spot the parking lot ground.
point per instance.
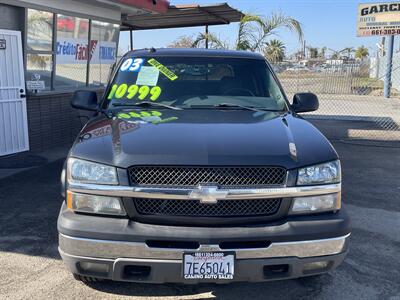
(32, 269)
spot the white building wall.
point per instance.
(88, 8)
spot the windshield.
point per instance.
(196, 82)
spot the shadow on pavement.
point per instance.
(290, 288)
(29, 205)
(368, 129)
(21, 160)
(30, 202)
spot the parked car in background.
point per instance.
(298, 68)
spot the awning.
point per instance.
(183, 16)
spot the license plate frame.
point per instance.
(202, 258)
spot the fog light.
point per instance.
(320, 203)
(93, 267)
(315, 266)
(95, 204)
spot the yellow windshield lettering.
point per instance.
(121, 90)
(112, 92)
(132, 91)
(141, 92)
(163, 69)
(155, 92)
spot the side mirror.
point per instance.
(86, 100)
(305, 102)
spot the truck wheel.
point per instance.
(87, 279)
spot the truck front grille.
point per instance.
(224, 177)
(194, 208)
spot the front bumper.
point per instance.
(152, 265)
(108, 247)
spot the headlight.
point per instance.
(316, 204)
(95, 204)
(83, 171)
(319, 174)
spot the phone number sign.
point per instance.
(378, 19)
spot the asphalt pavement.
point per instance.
(31, 268)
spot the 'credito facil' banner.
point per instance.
(77, 51)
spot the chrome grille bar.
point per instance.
(183, 193)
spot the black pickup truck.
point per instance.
(196, 168)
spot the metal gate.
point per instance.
(352, 105)
(13, 115)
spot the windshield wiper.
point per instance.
(245, 107)
(147, 103)
(235, 106)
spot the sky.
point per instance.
(329, 23)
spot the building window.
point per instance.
(72, 52)
(39, 68)
(59, 53)
(39, 45)
(104, 39)
(40, 30)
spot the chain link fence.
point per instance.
(352, 105)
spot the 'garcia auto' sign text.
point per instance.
(378, 19)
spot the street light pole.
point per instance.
(388, 75)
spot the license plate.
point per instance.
(208, 265)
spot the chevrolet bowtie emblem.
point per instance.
(208, 194)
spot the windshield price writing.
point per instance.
(129, 92)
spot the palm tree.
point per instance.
(254, 31)
(185, 41)
(361, 52)
(274, 22)
(348, 50)
(313, 52)
(213, 41)
(338, 54)
(322, 53)
(248, 37)
(274, 51)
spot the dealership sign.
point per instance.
(378, 19)
(77, 51)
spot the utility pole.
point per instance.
(131, 39)
(206, 36)
(389, 61)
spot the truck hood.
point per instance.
(202, 137)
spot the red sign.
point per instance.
(158, 6)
